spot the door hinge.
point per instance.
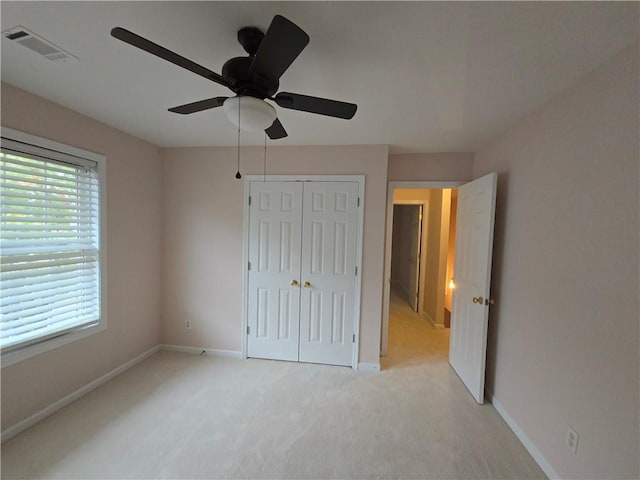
(358, 201)
(249, 199)
(248, 330)
(356, 270)
(353, 339)
(249, 266)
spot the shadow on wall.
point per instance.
(502, 203)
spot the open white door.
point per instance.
(474, 246)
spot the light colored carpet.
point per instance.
(184, 416)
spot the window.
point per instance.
(51, 262)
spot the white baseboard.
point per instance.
(198, 350)
(524, 439)
(63, 402)
(368, 367)
(431, 321)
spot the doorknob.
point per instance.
(294, 283)
(479, 300)
(306, 285)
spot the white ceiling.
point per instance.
(427, 77)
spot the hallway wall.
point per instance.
(451, 249)
(400, 267)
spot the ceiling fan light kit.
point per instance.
(253, 78)
(251, 113)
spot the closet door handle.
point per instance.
(294, 283)
(306, 285)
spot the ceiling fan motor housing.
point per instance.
(236, 72)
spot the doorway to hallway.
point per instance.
(472, 252)
(412, 340)
(420, 251)
(421, 262)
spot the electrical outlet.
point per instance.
(572, 440)
(187, 324)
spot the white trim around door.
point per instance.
(360, 180)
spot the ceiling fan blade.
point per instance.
(199, 106)
(276, 130)
(155, 49)
(322, 106)
(280, 46)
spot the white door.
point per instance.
(275, 223)
(302, 277)
(415, 241)
(469, 318)
(329, 247)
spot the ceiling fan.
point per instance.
(253, 78)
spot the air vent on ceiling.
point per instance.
(37, 44)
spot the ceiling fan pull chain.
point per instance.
(238, 175)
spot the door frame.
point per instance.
(391, 186)
(360, 180)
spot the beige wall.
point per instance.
(400, 247)
(411, 196)
(203, 214)
(396, 239)
(445, 221)
(451, 250)
(433, 232)
(434, 167)
(134, 178)
(563, 341)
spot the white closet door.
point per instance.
(329, 247)
(275, 225)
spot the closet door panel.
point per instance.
(329, 247)
(275, 222)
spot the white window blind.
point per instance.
(49, 244)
